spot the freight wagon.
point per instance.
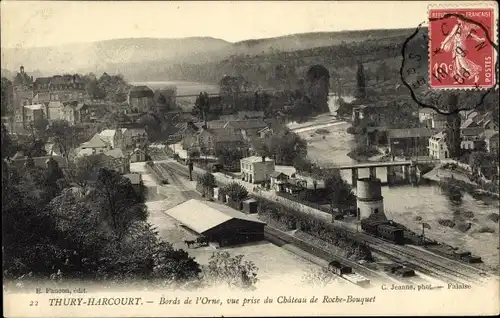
(384, 229)
(347, 273)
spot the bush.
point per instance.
(322, 131)
(235, 191)
(322, 230)
(494, 217)
(446, 222)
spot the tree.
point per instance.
(8, 147)
(229, 156)
(235, 191)
(360, 82)
(340, 192)
(207, 180)
(453, 139)
(153, 126)
(6, 95)
(382, 71)
(284, 146)
(84, 170)
(232, 271)
(202, 106)
(65, 137)
(120, 206)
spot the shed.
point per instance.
(217, 222)
(250, 206)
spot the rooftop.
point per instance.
(246, 124)
(95, 142)
(253, 159)
(34, 107)
(203, 216)
(223, 134)
(410, 132)
(140, 91)
(472, 131)
(439, 136)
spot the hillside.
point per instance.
(97, 56)
(150, 58)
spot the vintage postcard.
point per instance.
(250, 158)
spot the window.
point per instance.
(441, 146)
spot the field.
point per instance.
(276, 265)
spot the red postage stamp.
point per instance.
(461, 48)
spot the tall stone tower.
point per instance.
(369, 201)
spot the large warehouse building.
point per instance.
(217, 222)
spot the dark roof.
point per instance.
(246, 124)
(225, 134)
(410, 133)
(276, 174)
(140, 91)
(474, 131)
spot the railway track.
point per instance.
(426, 262)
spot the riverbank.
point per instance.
(439, 174)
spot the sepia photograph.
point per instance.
(250, 158)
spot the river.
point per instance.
(402, 203)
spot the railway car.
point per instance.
(338, 268)
(391, 233)
(357, 279)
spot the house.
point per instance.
(116, 160)
(278, 180)
(134, 137)
(210, 140)
(256, 169)
(218, 223)
(411, 141)
(471, 137)
(309, 182)
(140, 99)
(376, 114)
(33, 113)
(138, 155)
(62, 88)
(94, 146)
(490, 138)
(437, 146)
(136, 181)
(265, 132)
(71, 112)
(54, 111)
(248, 127)
(94, 111)
(242, 115)
(429, 118)
(469, 123)
(113, 137)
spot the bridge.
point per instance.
(269, 90)
(407, 165)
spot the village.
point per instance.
(230, 182)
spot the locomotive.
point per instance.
(384, 229)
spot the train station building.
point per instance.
(217, 222)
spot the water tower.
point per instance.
(369, 200)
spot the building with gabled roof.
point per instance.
(438, 148)
(218, 223)
(255, 169)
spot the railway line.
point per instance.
(430, 264)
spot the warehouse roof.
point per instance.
(203, 216)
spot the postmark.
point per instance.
(461, 50)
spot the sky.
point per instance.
(47, 23)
